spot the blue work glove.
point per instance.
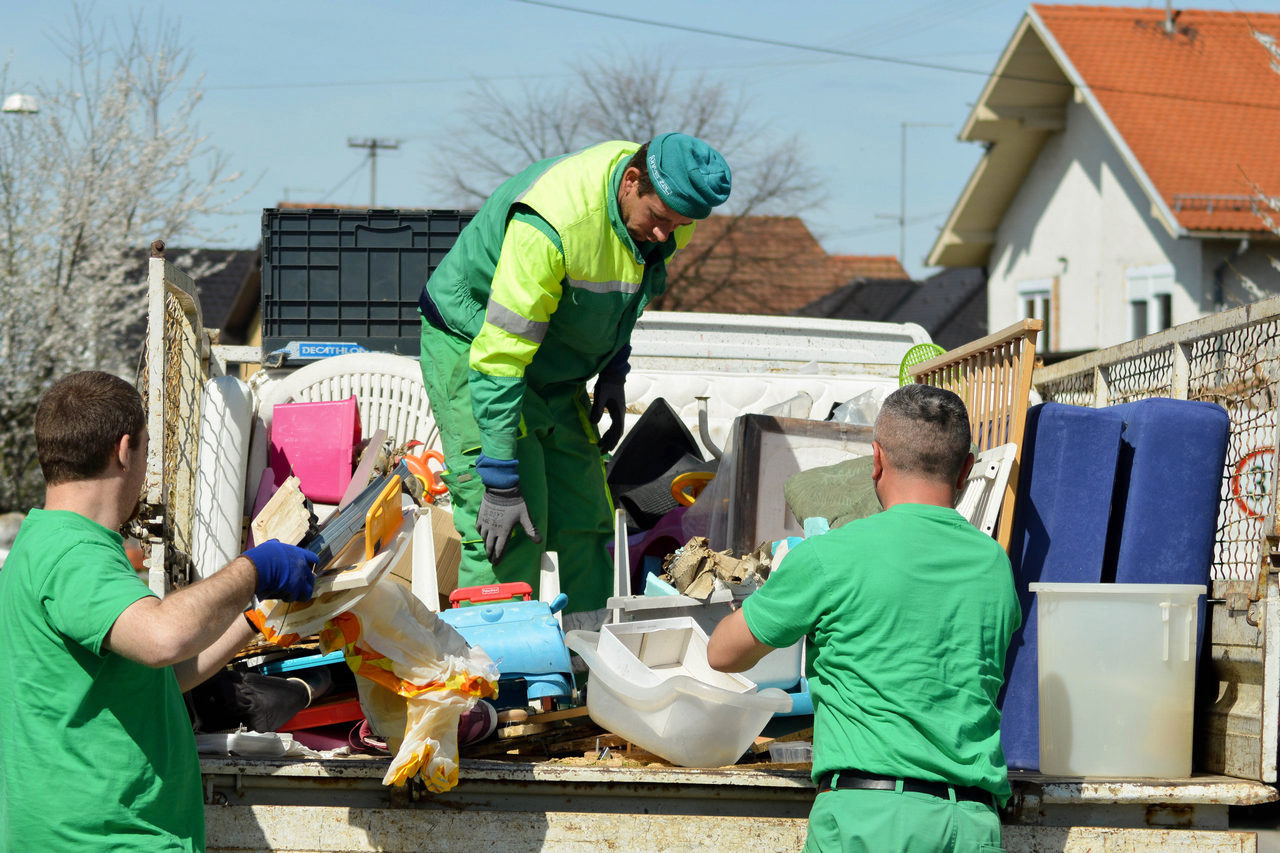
(284, 571)
(609, 396)
(500, 511)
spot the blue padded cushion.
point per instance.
(1164, 519)
(1069, 457)
(1168, 490)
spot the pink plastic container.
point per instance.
(316, 442)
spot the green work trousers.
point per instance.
(561, 478)
(856, 821)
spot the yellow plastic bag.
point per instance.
(415, 675)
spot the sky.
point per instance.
(287, 83)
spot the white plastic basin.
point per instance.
(1117, 666)
(681, 719)
(652, 651)
(779, 668)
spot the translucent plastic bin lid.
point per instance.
(1120, 588)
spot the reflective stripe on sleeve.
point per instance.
(504, 318)
(627, 287)
(497, 352)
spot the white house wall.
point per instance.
(1081, 218)
(1230, 262)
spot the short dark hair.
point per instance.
(640, 160)
(79, 421)
(924, 430)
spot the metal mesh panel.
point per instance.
(1148, 375)
(183, 387)
(171, 379)
(1073, 390)
(1237, 370)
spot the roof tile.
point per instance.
(1199, 107)
(762, 264)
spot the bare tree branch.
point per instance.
(632, 98)
(112, 160)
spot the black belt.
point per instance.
(857, 780)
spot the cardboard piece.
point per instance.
(694, 569)
(364, 468)
(444, 554)
(448, 550)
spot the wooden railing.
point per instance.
(993, 377)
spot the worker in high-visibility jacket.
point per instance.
(538, 295)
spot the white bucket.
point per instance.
(1117, 666)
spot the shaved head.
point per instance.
(924, 431)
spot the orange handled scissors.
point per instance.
(418, 465)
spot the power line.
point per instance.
(851, 54)
(879, 229)
(911, 63)
(342, 182)
(419, 81)
(408, 81)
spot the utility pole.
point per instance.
(373, 145)
(902, 188)
(902, 191)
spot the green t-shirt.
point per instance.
(909, 614)
(96, 751)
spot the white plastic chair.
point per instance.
(388, 390)
(983, 490)
(387, 387)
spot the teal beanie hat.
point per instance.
(689, 175)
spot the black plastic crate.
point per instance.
(350, 275)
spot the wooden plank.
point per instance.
(542, 739)
(564, 714)
(284, 517)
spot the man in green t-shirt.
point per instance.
(96, 748)
(908, 614)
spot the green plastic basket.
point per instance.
(917, 354)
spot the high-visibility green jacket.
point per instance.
(546, 283)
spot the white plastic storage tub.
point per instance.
(1117, 673)
(681, 719)
(779, 668)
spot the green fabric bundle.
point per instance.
(840, 493)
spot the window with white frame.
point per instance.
(1035, 298)
(1150, 294)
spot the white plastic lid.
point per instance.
(1120, 588)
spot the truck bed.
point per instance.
(503, 806)
(341, 805)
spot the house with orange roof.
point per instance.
(1131, 157)
(761, 265)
